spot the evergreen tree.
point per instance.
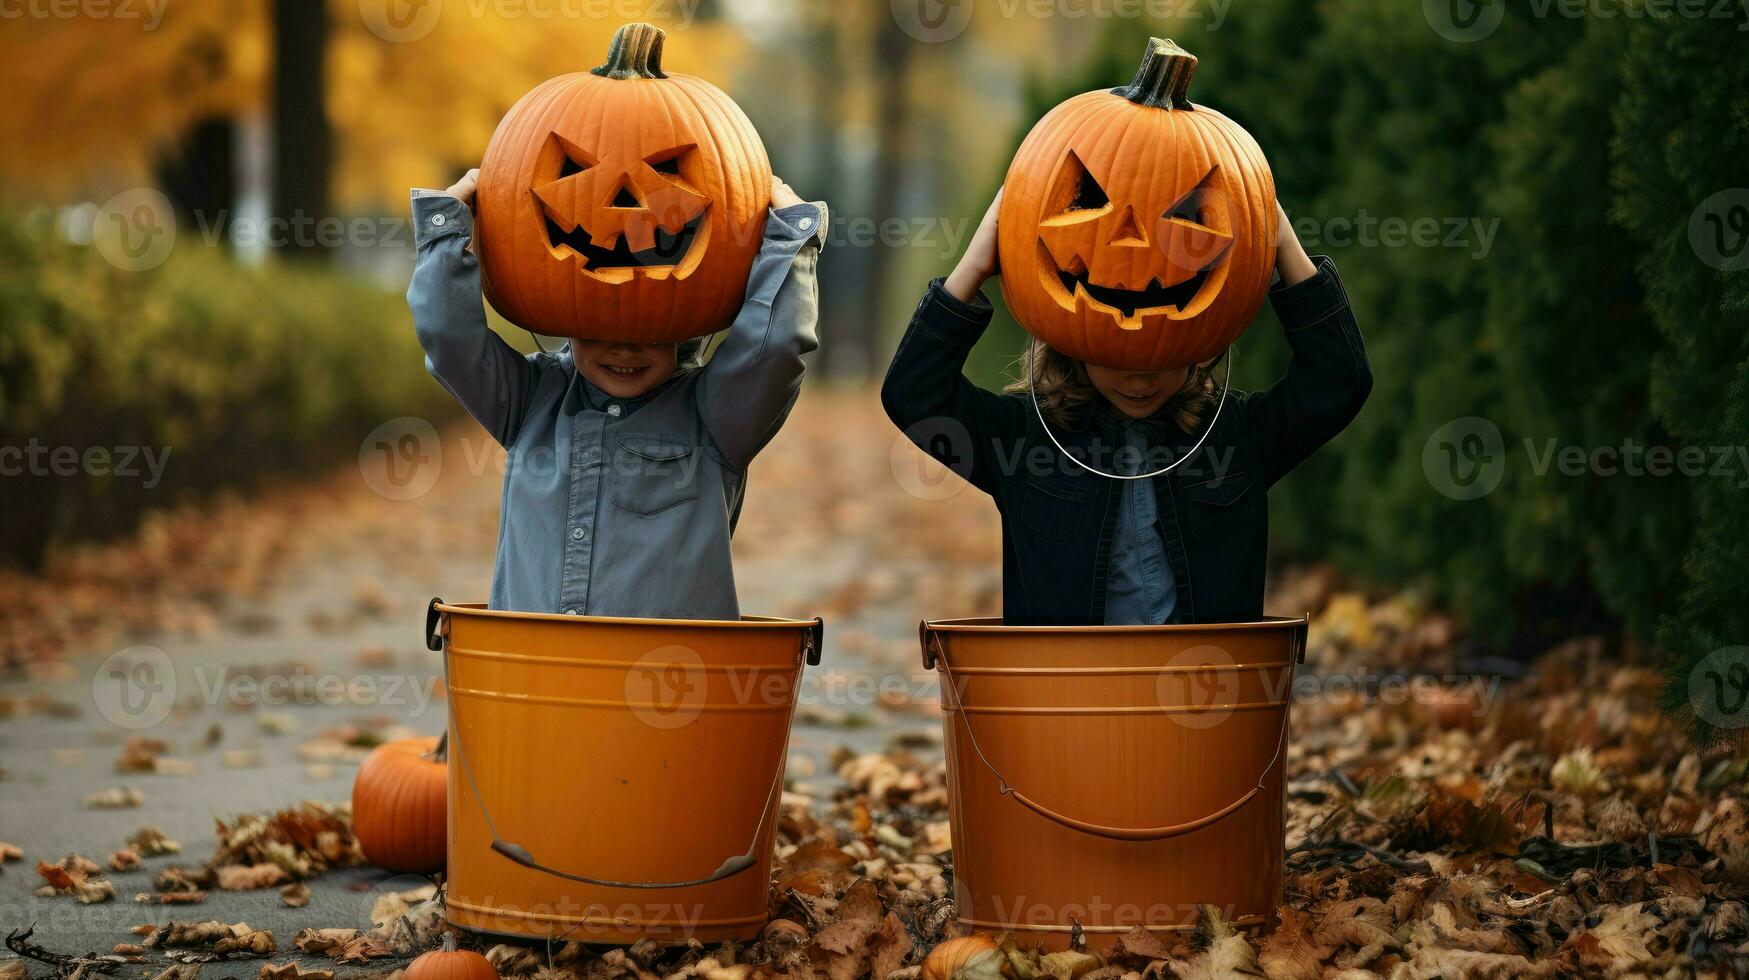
(1681, 139)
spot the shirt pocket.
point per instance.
(1222, 491)
(1054, 509)
(654, 475)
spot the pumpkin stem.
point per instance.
(440, 752)
(449, 942)
(636, 52)
(1163, 80)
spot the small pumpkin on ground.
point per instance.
(400, 805)
(1138, 229)
(974, 957)
(450, 963)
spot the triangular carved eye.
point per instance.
(1192, 207)
(1088, 194)
(573, 159)
(1075, 188)
(668, 161)
(1188, 209)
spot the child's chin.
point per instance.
(624, 387)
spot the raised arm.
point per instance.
(1328, 377)
(926, 392)
(489, 377)
(755, 375)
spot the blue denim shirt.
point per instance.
(611, 507)
(1141, 589)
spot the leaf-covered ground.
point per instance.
(1442, 820)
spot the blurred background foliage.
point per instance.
(241, 374)
(1589, 319)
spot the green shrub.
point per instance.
(1678, 144)
(242, 375)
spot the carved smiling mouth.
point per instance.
(1155, 297)
(668, 249)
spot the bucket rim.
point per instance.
(994, 624)
(745, 622)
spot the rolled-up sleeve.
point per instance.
(755, 375)
(489, 377)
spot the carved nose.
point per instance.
(1127, 231)
(624, 198)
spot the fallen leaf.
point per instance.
(249, 877)
(117, 798)
(292, 971)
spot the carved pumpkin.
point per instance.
(450, 963)
(400, 805)
(622, 203)
(1137, 230)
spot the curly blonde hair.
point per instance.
(1064, 390)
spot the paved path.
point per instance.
(829, 529)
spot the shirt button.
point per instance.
(613, 410)
(438, 220)
(806, 223)
(589, 456)
(577, 534)
(570, 612)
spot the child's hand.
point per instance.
(980, 261)
(1291, 260)
(782, 195)
(463, 189)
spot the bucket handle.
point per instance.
(1129, 833)
(933, 655)
(814, 641)
(436, 625)
(437, 639)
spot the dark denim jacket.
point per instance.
(1058, 519)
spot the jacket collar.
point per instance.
(1158, 429)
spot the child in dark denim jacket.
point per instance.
(627, 464)
(1188, 546)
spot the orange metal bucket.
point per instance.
(613, 780)
(1114, 776)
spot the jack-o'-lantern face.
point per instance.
(1158, 250)
(623, 215)
(623, 203)
(1137, 230)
